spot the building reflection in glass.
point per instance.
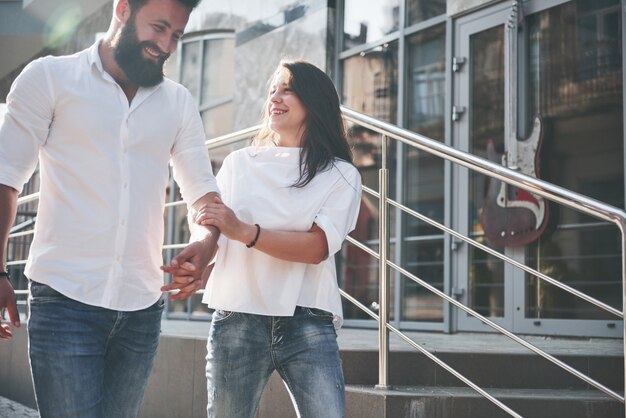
(369, 21)
(421, 10)
(576, 85)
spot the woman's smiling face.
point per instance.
(287, 114)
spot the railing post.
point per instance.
(622, 228)
(383, 291)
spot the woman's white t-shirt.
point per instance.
(256, 183)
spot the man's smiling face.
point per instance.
(148, 38)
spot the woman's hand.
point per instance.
(216, 213)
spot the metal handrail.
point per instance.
(475, 314)
(542, 188)
(549, 191)
(28, 198)
(501, 256)
(23, 225)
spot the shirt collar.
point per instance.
(94, 56)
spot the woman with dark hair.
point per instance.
(288, 202)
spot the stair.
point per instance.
(528, 384)
(435, 402)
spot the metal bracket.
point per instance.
(457, 111)
(456, 244)
(457, 63)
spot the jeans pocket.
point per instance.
(42, 293)
(159, 305)
(319, 314)
(221, 315)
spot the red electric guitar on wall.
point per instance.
(512, 217)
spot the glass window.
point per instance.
(189, 74)
(426, 82)
(358, 271)
(424, 258)
(217, 70)
(370, 82)
(420, 10)
(575, 67)
(207, 70)
(424, 174)
(486, 272)
(369, 21)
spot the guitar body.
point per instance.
(513, 217)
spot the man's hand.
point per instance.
(8, 302)
(187, 268)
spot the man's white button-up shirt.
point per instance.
(104, 172)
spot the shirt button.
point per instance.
(123, 222)
(126, 185)
(118, 258)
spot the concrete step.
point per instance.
(461, 402)
(487, 370)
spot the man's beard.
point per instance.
(128, 54)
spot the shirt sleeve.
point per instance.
(190, 157)
(339, 212)
(224, 179)
(26, 125)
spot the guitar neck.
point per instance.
(510, 87)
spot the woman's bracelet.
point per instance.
(256, 237)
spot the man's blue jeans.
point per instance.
(244, 350)
(86, 361)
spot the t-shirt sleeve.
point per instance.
(26, 125)
(338, 214)
(190, 157)
(224, 178)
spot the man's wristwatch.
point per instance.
(4, 274)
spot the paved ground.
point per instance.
(361, 339)
(11, 409)
(364, 339)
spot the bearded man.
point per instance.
(104, 124)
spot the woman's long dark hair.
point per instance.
(324, 135)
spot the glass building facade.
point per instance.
(439, 68)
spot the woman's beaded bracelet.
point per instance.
(258, 232)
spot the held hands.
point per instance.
(8, 301)
(187, 267)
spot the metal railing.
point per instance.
(544, 189)
(17, 232)
(477, 164)
(547, 190)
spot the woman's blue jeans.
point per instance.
(86, 361)
(244, 350)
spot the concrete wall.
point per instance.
(15, 381)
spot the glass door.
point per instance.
(569, 100)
